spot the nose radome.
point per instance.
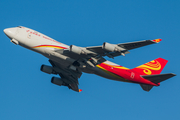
(6, 31)
(10, 32)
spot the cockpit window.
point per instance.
(19, 26)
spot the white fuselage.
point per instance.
(49, 48)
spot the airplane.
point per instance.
(70, 61)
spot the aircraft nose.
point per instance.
(10, 32)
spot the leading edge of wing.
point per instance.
(144, 42)
(137, 44)
(127, 46)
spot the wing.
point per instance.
(133, 45)
(110, 49)
(91, 56)
(70, 77)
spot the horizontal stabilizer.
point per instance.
(146, 87)
(158, 78)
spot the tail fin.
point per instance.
(151, 68)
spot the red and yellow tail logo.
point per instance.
(151, 68)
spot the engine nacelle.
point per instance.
(76, 50)
(14, 41)
(57, 81)
(112, 48)
(108, 47)
(47, 69)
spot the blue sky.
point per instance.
(26, 93)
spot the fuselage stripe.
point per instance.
(50, 46)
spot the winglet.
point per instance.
(157, 40)
(80, 90)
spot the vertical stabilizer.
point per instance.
(151, 68)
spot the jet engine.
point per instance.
(112, 48)
(76, 50)
(47, 69)
(57, 81)
(14, 41)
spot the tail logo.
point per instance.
(147, 71)
(148, 67)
